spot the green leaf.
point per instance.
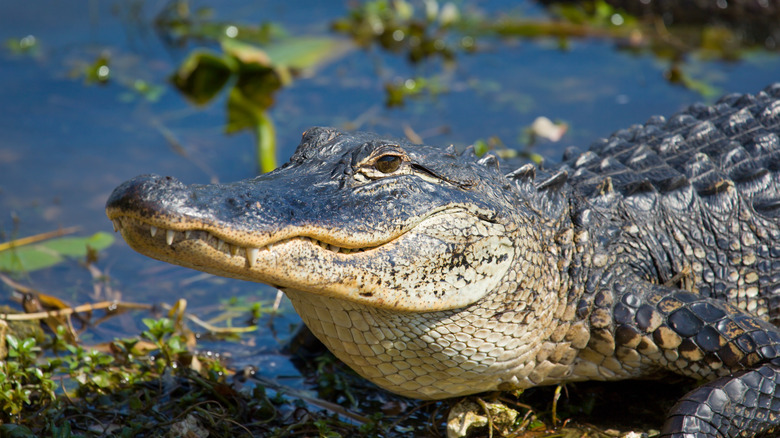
(175, 344)
(257, 86)
(148, 322)
(63, 431)
(16, 431)
(246, 54)
(101, 379)
(292, 53)
(13, 342)
(43, 255)
(202, 76)
(28, 258)
(27, 344)
(77, 246)
(481, 147)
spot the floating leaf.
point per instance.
(43, 255)
(28, 258)
(258, 86)
(26, 45)
(294, 53)
(305, 53)
(202, 76)
(99, 71)
(246, 53)
(76, 246)
(253, 60)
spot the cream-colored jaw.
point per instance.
(447, 260)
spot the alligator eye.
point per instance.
(388, 163)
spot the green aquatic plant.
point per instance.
(19, 256)
(251, 65)
(428, 30)
(23, 381)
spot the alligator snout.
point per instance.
(147, 194)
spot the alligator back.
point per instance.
(701, 192)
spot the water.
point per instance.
(65, 144)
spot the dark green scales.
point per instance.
(436, 274)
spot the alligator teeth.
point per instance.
(251, 256)
(325, 245)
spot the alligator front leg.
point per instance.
(744, 404)
(655, 326)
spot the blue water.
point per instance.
(65, 144)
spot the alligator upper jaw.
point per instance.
(180, 230)
(168, 240)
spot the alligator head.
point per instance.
(355, 220)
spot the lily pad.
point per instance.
(77, 246)
(43, 255)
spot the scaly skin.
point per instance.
(435, 275)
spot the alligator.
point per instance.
(435, 273)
